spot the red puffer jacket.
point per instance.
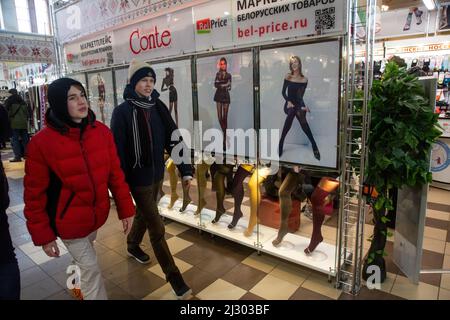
(67, 176)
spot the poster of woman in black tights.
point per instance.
(225, 101)
(222, 83)
(167, 84)
(294, 88)
(299, 105)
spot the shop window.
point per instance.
(23, 16)
(42, 17)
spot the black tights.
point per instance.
(222, 115)
(301, 117)
(229, 177)
(238, 194)
(222, 171)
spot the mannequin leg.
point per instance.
(255, 198)
(219, 179)
(200, 174)
(318, 200)
(238, 194)
(288, 186)
(186, 197)
(213, 170)
(173, 178)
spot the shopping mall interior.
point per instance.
(307, 221)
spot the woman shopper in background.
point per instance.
(70, 166)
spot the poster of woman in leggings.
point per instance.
(222, 83)
(294, 88)
(299, 104)
(167, 84)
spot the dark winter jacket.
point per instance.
(162, 127)
(6, 248)
(18, 112)
(68, 171)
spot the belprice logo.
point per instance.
(206, 25)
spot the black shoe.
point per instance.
(180, 288)
(139, 255)
(15, 160)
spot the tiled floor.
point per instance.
(216, 268)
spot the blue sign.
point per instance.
(440, 157)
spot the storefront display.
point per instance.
(225, 100)
(301, 83)
(101, 95)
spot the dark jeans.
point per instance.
(17, 145)
(9, 281)
(147, 218)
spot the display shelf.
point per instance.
(292, 248)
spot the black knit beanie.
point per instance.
(139, 70)
(57, 97)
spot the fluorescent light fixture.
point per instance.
(430, 4)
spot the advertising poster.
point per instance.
(173, 82)
(121, 81)
(168, 35)
(92, 53)
(225, 98)
(257, 21)
(101, 95)
(401, 22)
(305, 109)
(444, 17)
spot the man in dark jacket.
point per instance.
(142, 128)
(9, 269)
(18, 116)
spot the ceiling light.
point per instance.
(430, 4)
(384, 8)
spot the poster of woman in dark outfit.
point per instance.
(167, 84)
(101, 96)
(294, 88)
(222, 83)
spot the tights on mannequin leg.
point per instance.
(288, 186)
(318, 201)
(255, 198)
(200, 174)
(238, 194)
(219, 179)
(186, 197)
(173, 178)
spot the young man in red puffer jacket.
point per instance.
(69, 168)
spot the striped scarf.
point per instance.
(142, 131)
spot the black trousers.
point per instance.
(9, 281)
(147, 218)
